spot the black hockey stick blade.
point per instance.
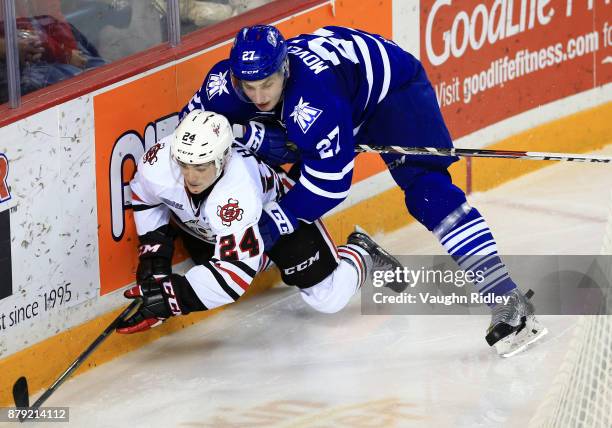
(20, 393)
(20, 389)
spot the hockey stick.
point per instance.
(482, 153)
(20, 388)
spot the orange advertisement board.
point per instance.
(133, 116)
(490, 60)
(124, 118)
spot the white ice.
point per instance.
(270, 361)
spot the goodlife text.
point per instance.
(488, 22)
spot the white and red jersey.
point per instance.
(227, 217)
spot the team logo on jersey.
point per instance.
(305, 115)
(217, 84)
(150, 156)
(229, 212)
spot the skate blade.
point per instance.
(361, 230)
(517, 343)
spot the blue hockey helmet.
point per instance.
(258, 52)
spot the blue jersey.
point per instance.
(337, 78)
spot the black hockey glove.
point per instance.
(162, 298)
(267, 138)
(155, 254)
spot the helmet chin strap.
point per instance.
(285, 77)
(286, 73)
(220, 164)
(236, 83)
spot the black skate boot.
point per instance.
(380, 258)
(514, 325)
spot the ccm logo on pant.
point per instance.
(303, 265)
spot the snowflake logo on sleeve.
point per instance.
(305, 115)
(217, 84)
(229, 212)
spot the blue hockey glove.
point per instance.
(275, 222)
(268, 139)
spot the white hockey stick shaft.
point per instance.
(482, 153)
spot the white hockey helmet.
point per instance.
(203, 137)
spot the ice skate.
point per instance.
(380, 258)
(514, 325)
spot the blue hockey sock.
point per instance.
(465, 235)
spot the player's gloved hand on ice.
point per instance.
(162, 298)
(275, 222)
(268, 139)
(154, 255)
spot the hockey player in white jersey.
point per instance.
(216, 194)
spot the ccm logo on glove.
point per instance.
(257, 132)
(171, 298)
(282, 222)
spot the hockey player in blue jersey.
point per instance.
(339, 87)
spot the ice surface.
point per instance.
(270, 361)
